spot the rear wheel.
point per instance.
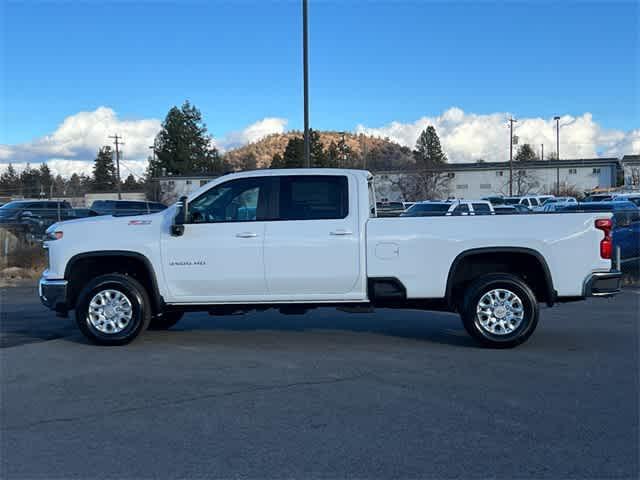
(165, 321)
(113, 309)
(500, 311)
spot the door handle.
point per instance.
(246, 235)
(340, 232)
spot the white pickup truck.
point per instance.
(303, 238)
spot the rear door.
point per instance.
(311, 249)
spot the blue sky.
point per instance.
(372, 63)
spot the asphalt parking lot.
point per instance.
(326, 394)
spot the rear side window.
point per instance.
(481, 209)
(313, 197)
(127, 205)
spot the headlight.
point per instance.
(53, 235)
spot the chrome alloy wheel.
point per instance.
(110, 311)
(499, 312)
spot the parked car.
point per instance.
(631, 197)
(389, 209)
(494, 199)
(448, 208)
(559, 200)
(530, 201)
(315, 241)
(125, 207)
(511, 209)
(33, 216)
(600, 197)
(83, 212)
(626, 225)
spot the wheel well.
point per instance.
(82, 268)
(527, 265)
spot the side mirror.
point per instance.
(26, 214)
(181, 218)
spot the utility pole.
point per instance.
(116, 140)
(542, 151)
(511, 121)
(305, 68)
(557, 119)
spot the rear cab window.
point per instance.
(313, 197)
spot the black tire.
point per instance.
(491, 330)
(165, 321)
(140, 309)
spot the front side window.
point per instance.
(234, 201)
(313, 197)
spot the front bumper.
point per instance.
(603, 284)
(53, 294)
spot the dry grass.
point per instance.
(31, 259)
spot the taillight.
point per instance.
(606, 244)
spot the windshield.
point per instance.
(425, 209)
(511, 201)
(11, 209)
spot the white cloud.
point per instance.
(74, 144)
(468, 137)
(252, 133)
(465, 137)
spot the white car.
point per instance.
(303, 238)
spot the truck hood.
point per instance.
(145, 219)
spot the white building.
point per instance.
(631, 171)
(465, 180)
(171, 188)
(477, 180)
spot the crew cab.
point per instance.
(295, 239)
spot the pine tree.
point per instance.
(59, 186)
(525, 154)
(183, 146)
(318, 157)
(30, 182)
(46, 180)
(333, 155)
(293, 156)
(130, 184)
(428, 152)
(9, 182)
(277, 161)
(104, 171)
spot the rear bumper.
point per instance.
(53, 294)
(603, 284)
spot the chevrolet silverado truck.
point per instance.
(303, 238)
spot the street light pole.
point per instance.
(557, 119)
(305, 61)
(511, 120)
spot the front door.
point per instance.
(220, 255)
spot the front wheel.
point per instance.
(113, 309)
(500, 311)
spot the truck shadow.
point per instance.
(441, 328)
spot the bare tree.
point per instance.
(423, 185)
(524, 183)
